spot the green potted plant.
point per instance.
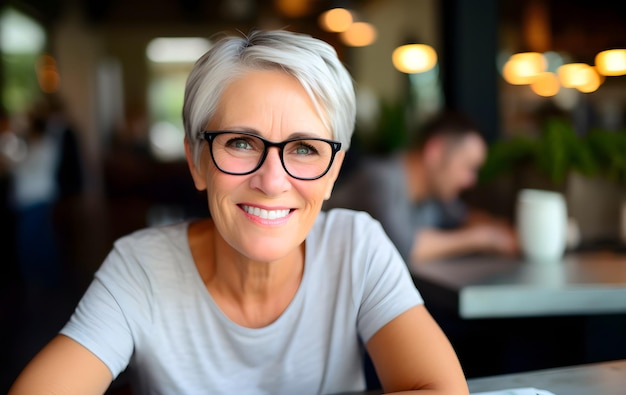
(590, 169)
(558, 151)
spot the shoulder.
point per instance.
(155, 250)
(346, 231)
(344, 221)
(154, 238)
(354, 251)
(146, 260)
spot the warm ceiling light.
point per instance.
(545, 84)
(336, 20)
(591, 80)
(522, 68)
(572, 75)
(611, 62)
(359, 34)
(293, 8)
(414, 58)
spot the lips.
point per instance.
(265, 214)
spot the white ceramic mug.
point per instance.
(542, 224)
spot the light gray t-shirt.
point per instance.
(148, 308)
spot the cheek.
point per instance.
(450, 172)
(469, 176)
(312, 192)
(454, 175)
(220, 184)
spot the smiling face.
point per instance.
(265, 215)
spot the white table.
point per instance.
(495, 287)
(606, 378)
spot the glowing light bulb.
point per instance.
(522, 68)
(611, 62)
(336, 20)
(572, 75)
(359, 34)
(414, 58)
(546, 84)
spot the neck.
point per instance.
(247, 279)
(249, 292)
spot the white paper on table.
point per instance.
(516, 391)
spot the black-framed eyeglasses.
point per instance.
(241, 153)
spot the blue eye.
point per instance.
(240, 144)
(303, 148)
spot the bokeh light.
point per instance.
(611, 62)
(522, 68)
(359, 34)
(545, 84)
(336, 20)
(414, 58)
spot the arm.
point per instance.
(63, 367)
(96, 344)
(411, 352)
(481, 233)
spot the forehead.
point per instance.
(263, 86)
(264, 98)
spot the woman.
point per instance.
(269, 295)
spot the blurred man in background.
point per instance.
(415, 194)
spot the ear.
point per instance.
(333, 173)
(433, 150)
(198, 176)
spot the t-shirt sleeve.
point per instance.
(387, 288)
(112, 311)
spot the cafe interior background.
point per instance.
(118, 71)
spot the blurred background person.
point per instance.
(33, 195)
(47, 174)
(415, 193)
(41, 179)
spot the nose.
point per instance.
(271, 178)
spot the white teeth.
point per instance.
(265, 214)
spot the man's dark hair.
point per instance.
(449, 123)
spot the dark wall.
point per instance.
(470, 75)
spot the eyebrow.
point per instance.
(294, 135)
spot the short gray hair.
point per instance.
(312, 61)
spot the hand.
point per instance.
(495, 237)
